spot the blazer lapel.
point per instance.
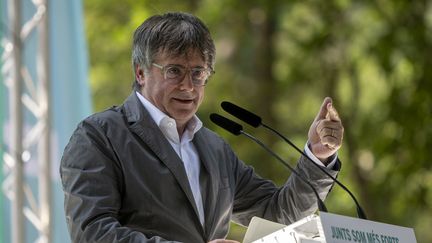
(143, 125)
(211, 182)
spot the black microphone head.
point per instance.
(242, 114)
(226, 124)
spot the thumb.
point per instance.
(323, 110)
(333, 114)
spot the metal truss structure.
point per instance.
(27, 95)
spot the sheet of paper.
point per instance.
(259, 228)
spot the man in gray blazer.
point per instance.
(148, 171)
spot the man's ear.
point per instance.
(139, 75)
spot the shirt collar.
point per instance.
(165, 122)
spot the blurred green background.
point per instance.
(280, 59)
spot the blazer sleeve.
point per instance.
(92, 185)
(293, 201)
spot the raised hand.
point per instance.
(326, 132)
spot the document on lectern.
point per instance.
(259, 228)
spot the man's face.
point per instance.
(179, 101)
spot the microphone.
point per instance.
(256, 121)
(237, 129)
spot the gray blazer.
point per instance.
(123, 182)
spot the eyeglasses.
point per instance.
(176, 73)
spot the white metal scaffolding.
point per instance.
(27, 94)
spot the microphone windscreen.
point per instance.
(226, 124)
(242, 114)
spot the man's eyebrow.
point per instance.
(174, 65)
(179, 65)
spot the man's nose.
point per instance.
(186, 83)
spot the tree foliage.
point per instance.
(280, 59)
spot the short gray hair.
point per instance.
(174, 33)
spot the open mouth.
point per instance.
(184, 101)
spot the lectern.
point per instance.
(329, 228)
